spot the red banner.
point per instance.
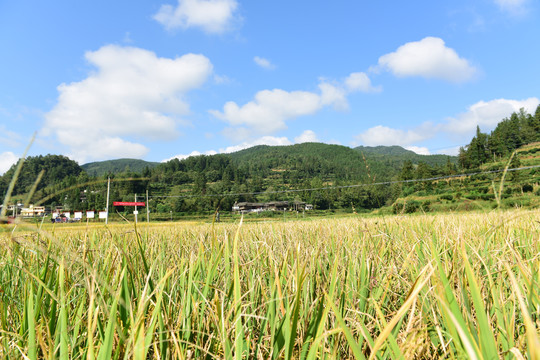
(127, 203)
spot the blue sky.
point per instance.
(157, 79)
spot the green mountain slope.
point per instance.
(333, 162)
(399, 155)
(100, 168)
(56, 169)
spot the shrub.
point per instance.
(446, 197)
(407, 207)
(483, 189)
(527, 188)
(487, 196)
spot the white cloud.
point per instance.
(193, 153)
(306, 136)
(333, 95)
(513, 7)
(132, 93)
(7, 159)
(454, 151)
(270, 109)
(421, 150)
(359, 81)
(221, 79)
(487, 114)
(428, 58)
(264, 63)
(383, 135)
(265, 140)
(212, 16)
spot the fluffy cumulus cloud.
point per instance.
(383, 135)
(487, 114)
(212, 16)
(359, 81)
(333, 95)
(264, 63)
(7, 159)
(421, 150)
(270, 110)
(428, 58)
(132, 94)
(193, 153)
(306, 136)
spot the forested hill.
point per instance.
(101, 168)
(56, 169)
(302, 161)
(274, 165)
(331, 162)
(399, 155)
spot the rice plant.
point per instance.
(403, 287)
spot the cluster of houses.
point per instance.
(31, 211)
(58, 214)
(246, 207)
(65, 216)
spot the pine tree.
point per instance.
(407, 171)
(464, 160)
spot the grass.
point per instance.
(399, 287)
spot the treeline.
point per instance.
(519, 129)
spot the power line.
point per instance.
(348, 186)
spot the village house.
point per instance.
(246, 207)
(33, 211)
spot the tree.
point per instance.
(478, 150)
(200, 183)
(423, 171)
(407, 171)
(449, 167)
(464, 160)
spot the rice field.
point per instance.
(450, 286)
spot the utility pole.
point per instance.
(147, 208)
(136, 212)
(107, 206)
